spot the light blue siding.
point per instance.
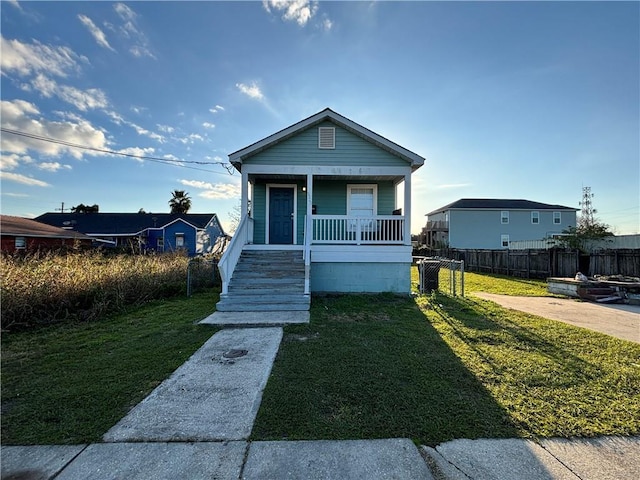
(330, 196)
(361, 277)
(302, 149)
(482, 229)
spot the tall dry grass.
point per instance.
(44, 288)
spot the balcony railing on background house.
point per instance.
(344, 229)
(229, 260)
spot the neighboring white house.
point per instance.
(489, 223)
(329, 188)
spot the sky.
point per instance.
(518, 100)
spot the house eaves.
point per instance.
(415, 160)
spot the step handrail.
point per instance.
(308, 225)
(227, 264)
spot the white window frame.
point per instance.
(535, 218)
(504, 238)
(179, 240)
(324, 134)
(160, 242)
(557, 218)
(350, 188)
(20, 243)
(504, 217)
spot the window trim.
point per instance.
(160, 242)
(504, 238)
(535, 217)
(180, 237)
(557, 218)
(373, 186)
(504, 217)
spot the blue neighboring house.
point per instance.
(195, 233)
(492, 223)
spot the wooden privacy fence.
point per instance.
(543, 263)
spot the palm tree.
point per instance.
(180, 202)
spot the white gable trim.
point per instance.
(415, 160)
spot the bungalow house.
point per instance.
(335, 196)
(19, 234)
(489, 223)
(195, 233)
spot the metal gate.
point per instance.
(202, 273)
(440, 274)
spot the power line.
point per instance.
(227, 167)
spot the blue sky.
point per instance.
(528, 100)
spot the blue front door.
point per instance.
(281, 215)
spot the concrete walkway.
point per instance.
(621, 321)
(196, 425)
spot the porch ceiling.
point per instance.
(373, 178)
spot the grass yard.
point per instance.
(437, 368)
(70, 383)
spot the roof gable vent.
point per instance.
(326, 137)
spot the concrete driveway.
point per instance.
(621, 321)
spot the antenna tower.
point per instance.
(586, 215)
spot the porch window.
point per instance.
(362, 201)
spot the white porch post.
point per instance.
(407, 209)
(308, 233)
(244, 202)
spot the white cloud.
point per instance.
(53, 166)
(97, 34)
(23, 116)
(252, 91)
(13, 160)
(130, 31)
(81, 99)
(15, 4)
(208, 125)
(214, 191)
(216, 109)
(29, 59)
(299, 11)
(137, 152)
(165, 128)
(18, 178)
(326, 24)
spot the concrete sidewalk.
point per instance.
(607, 458)
(620, 321)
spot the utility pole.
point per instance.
(61, 209)
(586, 215)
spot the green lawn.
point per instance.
(70, 383)
(437, 368)
(431, 368)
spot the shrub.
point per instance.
(45, 288)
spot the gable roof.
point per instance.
(498, 204)
(415, 160)
(25, 227)
(123, 223)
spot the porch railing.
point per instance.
(229, 260)
(345, 229)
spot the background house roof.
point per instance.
(19, 226)
(236, 158)
(121, 223)
(498, 204)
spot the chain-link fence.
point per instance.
(440, 274)
(202, 273)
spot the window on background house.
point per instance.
(160, 242)
(557, 218)
(504, 216)
(179, 240)
(21, 243)
(504, 241)
(535, 218)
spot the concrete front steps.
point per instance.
(266, 281)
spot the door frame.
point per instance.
(294, 187)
